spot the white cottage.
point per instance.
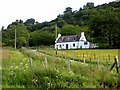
(71, 42)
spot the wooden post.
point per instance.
(109, 57)
(106, 64)
(84, 60)
(91, 55)
(30, 61)
(94, 56)
(56, 38)
(83, 55)
(90, 65)
(65, 57)
(98, 63)
(87, 55)
(15, 38)
(69, 65)
(117, 64)
(45, 61)
(77, 55)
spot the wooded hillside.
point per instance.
(101, 25)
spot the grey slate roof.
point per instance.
(70, 38)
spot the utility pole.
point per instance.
(56, 37)
(15, 38)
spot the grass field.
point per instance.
(99, 53)
(17, 73)
(94, 54)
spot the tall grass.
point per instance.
(17, 73)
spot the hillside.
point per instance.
(101, 25)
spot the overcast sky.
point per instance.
(40, 10)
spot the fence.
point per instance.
(85, 59)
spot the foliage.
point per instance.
(22, 35)
(105, 27)
(41, 38)
(101, 25)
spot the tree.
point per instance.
(70, 30)
(67, 10)
(30, 21)
(30, 24)
(22, 35)
(105, 27)
(40, 37)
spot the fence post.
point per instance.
(94, 56)
(45, 61)
(117, 64)
(65, 57)
(68, 65)
(106, 64)
(84, 60)
(109, 57)
(30, 61)
(83, 55)
(98, 63)
(87, 56)
(77, 55)
(90, 65)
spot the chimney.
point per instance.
(59, 35)
(82, 38)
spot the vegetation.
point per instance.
(53, 74)
(101, 25)
(102, 54)
(25, 68)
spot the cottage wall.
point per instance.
(84, 44)
(67, 45)
(72, 45)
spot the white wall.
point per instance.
(72, 45)
(82, 45)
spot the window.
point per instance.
(60, 46)
(73, 45)
(85, 43)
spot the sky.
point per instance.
(40, 10)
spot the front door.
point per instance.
(66, 46)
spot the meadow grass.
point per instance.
(102, 54)
(17, 72)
